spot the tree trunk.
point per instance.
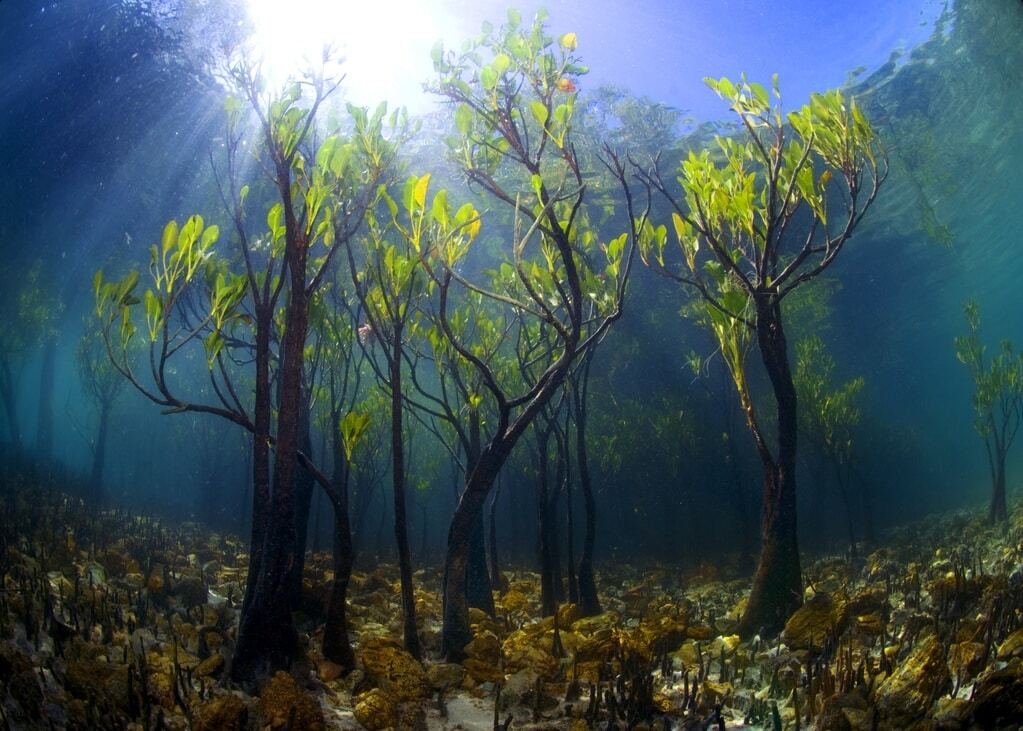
(303, 504)
(98, 457)
(44, 430)
(408, 599)
(336, 645)
(778, 584)
(573, 586)
(589, 602)
(10, 406)
(998, 511)
(496, 580)
(548, 600)
(478, 590)
(267, 639)
(456, 633)
(843, 491)
(260, 517)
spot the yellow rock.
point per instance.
(394, 669)
(482, 671)
(283, 705)
(812, 623)
(210, 666)
(445, 675)
(567, 614)
(714, 693)
(515, 601)
(485, 647)
(589, 625)
(376, 709)
(329, 671)
(869, 624)
(907, 693)
(223, 713)
(1012, 646)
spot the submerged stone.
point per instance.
(224, 713)
(998, 700)
(389, 666)
(813, 623)
(907, 694)
(283, 705)
(376, 709)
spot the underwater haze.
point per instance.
(449, 365)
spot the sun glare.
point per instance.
(385, 44)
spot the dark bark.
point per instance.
(336, 645)
(408, 599)
(303, 504)
(260, 517)
(777, 585)
(573, 586)
(843, 492)
(496, 579)
(44, 431)
(456, 633)
(10, 405)
(998, 511)
(545, 549)
(589, 602)
(99, 453)
(479, 592)
(267, 639)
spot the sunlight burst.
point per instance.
(385, 44)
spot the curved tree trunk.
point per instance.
(456, 633)
(778, 583)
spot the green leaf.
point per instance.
(539, 110)
(209, 236)
(488, 77)
(537, 186)
(463, 119)
(353, 425)
(419, 194)
(501, 63)
(170, 235)
(439, 211)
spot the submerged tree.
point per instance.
(997, 402)
(829, 415)
(28, 315)
(319, 191)
(388, 284)
(765, 213)
(513, 93)
(103, 384)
